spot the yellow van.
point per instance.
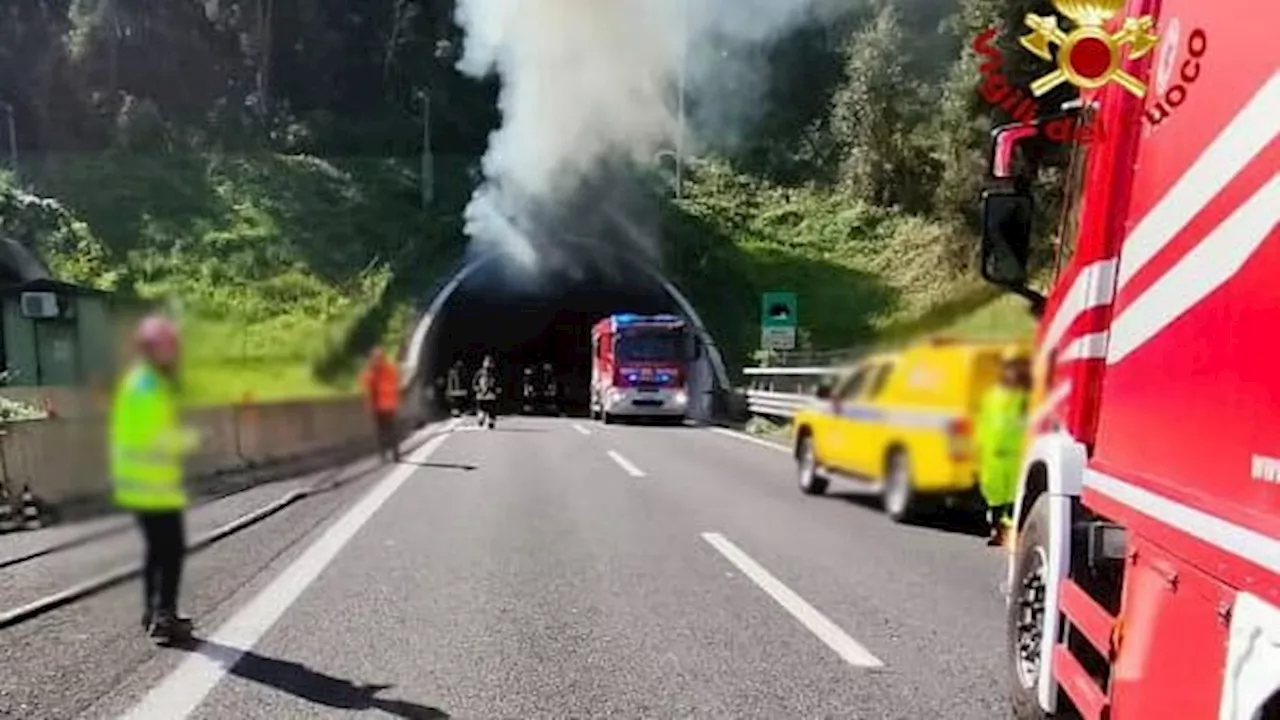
(901, 425)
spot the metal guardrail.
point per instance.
(779, 392)
(815, 358)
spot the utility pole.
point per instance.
(13, 139)
(428, 161)
(680, 82)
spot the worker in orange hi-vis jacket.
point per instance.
(381, 383)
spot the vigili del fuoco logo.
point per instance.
(1089, 57)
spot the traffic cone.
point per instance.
(30, 510)
(8, 522)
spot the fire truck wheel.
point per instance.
(1025, 621)
(899, 496)
(811, 482)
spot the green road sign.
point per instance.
(778, 309)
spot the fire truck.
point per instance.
(1144, 578)
(640, 367)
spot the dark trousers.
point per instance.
(385, 422)
(166, 549)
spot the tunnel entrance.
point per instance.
(521, 324)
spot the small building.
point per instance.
(56, 334)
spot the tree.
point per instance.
(873, 117)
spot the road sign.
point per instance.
(778, 338)
(778, 309)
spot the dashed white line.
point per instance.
(751, 439)
(626, 464)
(581, 430)
(180, 694)
(817, 623)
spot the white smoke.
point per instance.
(588, 82)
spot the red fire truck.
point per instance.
(1144, 581)
(639, 367)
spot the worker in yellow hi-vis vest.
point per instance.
(1002, 422)
(147, 445)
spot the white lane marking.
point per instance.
(625, 464)
(180, 694)
(1207, 267)
(828, 632)
(1246, 135)
(751, 439)
(581, 430)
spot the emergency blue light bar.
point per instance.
(635, 319)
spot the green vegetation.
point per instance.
(273, 259)
(266, 175)
(859, 189)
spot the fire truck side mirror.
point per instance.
(1005, 141)
(1006, 237)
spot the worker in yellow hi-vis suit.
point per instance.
(1002, 422)
(148, 444)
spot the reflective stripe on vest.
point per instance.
(136, 495)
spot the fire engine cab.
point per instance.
(1144, 581)
(640, 367)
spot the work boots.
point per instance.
(170, 626)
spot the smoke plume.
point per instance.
(589, 87)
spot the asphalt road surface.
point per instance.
(551, 568)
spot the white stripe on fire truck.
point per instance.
(1235, 539)
(1093, 287)
(1049, 405)
(1248, 133)
(1217, 258)
(1086, 347)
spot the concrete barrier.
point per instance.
(64, 459)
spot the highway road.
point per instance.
(551, 568)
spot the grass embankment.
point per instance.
(864, 275)
(276, 261)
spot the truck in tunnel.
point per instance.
(523, 322)
(640, 367)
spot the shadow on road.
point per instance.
(440, 466)
(500, 429)
(955, 522)
(311, 685)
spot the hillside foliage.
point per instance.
(259, 159)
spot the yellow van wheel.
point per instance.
(898, 494)
(811, 482)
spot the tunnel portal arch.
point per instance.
(417, 356)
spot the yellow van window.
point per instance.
(878, 380)
(850, 386)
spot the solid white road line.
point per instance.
(817, 623)
(751, 439)
(626, 464)
(581, 430)
(179, 694)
